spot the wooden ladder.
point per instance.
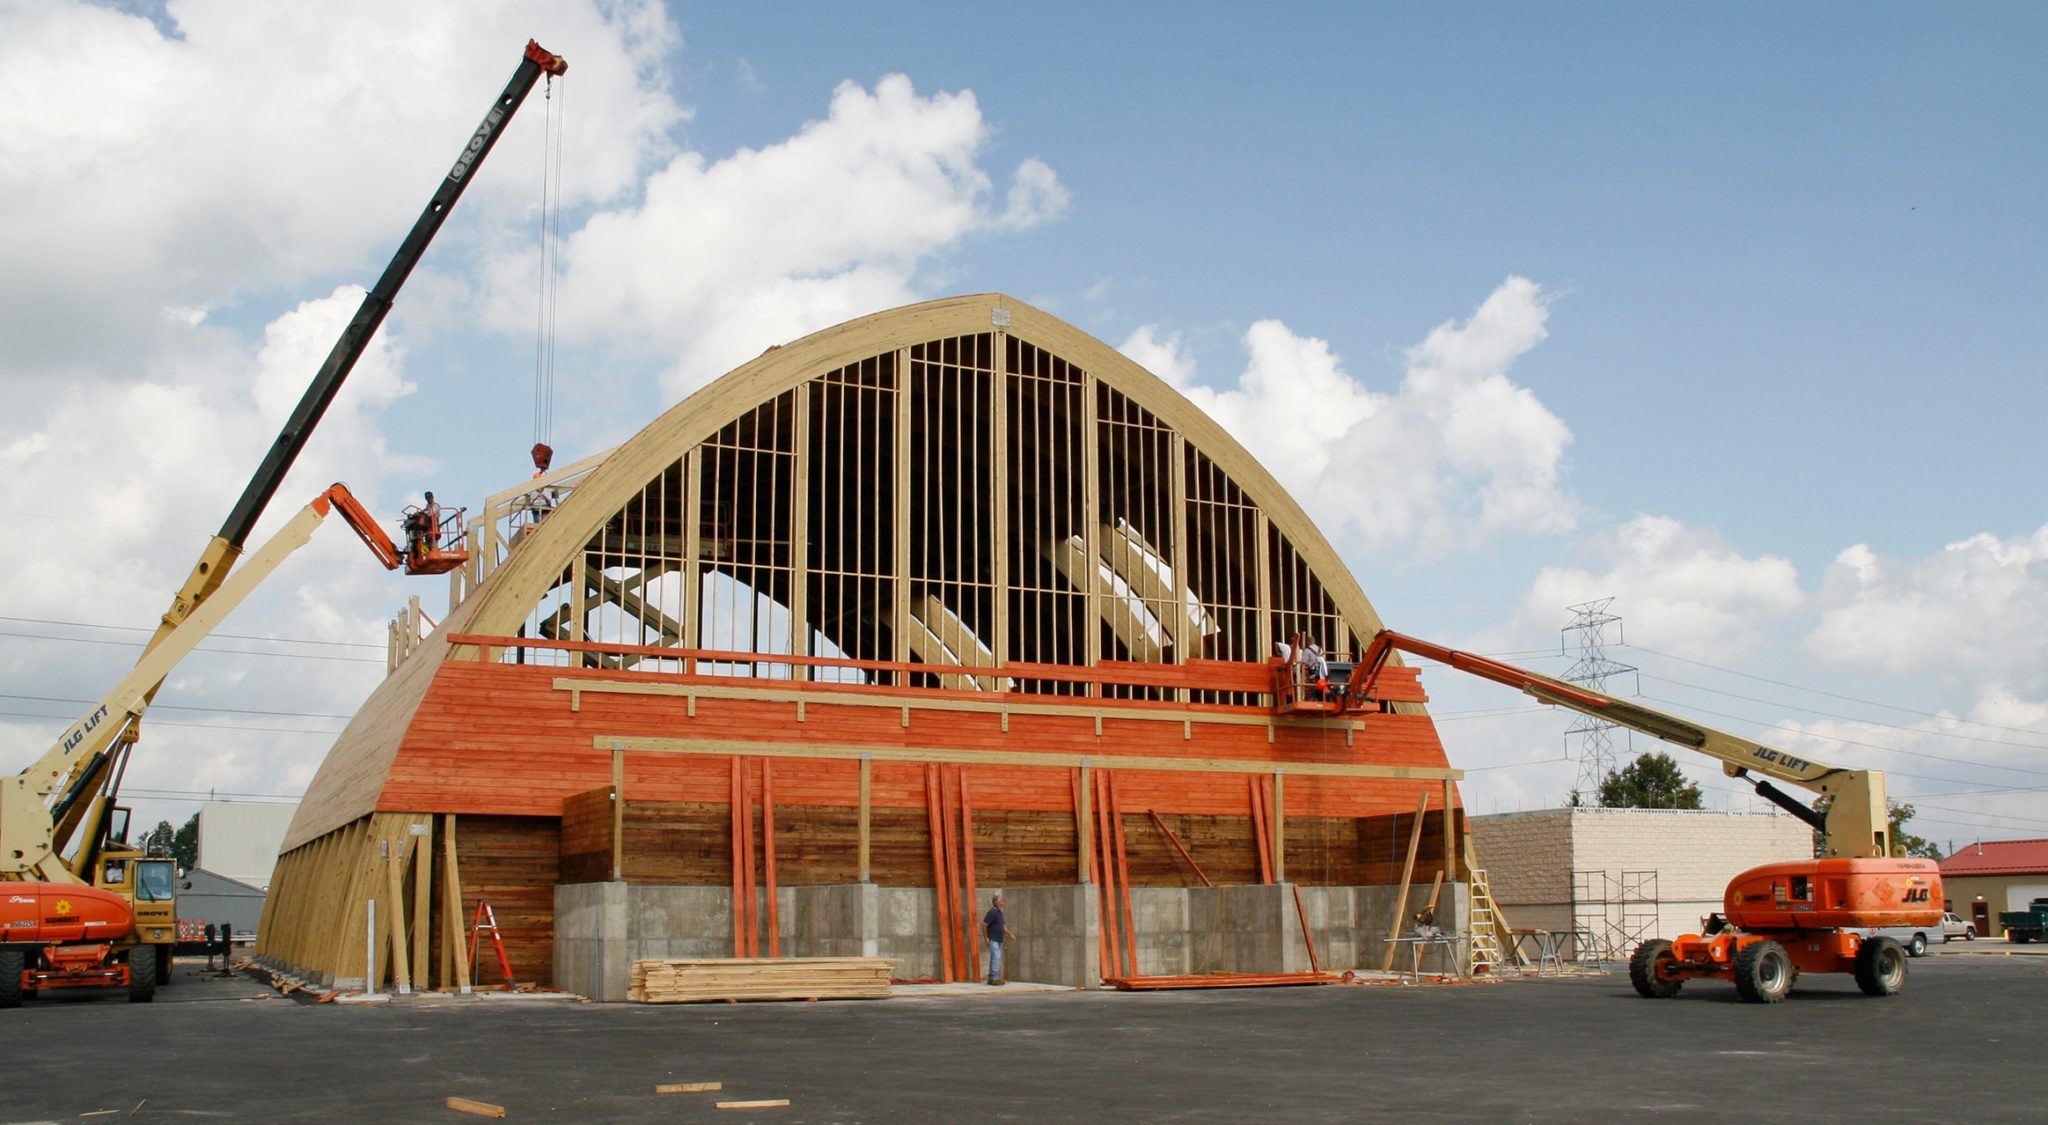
(1486, 949)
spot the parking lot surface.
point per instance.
(1964, 1035)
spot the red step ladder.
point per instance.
(487, 920)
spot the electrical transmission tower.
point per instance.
(1586, 638)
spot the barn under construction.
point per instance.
(942, 602)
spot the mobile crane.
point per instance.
(103, 913)
(1778, 920)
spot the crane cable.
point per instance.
(550, 267)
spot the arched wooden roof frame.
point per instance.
(504, 602)
(350, 782)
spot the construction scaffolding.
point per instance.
(1613, 912)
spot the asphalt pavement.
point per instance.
(1963, 1041)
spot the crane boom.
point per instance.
(90, 756)
(1857, 822)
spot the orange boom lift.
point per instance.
(1778, 920)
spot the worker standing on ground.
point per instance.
(998, 929)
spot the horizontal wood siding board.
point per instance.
(499, 739)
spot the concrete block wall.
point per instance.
(1530, 858)
(1694, 853)
(1528, 862)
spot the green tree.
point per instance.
(159, 840)
(185, 844)
(1652, 781)
(1904, 843)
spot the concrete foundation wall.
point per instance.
(602, 928)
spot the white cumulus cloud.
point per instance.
(720, 258)
(1456, 454)
(1684, 586)
(1973, 608)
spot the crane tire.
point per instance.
(1642, 971)
(141, 974)
(1763, 972)
(1880, 967)
(12, 962)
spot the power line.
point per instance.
(200, 648)
(176, 723)
(1852, 718)
(183, 707)
(1852, 741)
(224, 636)
(1830, 694)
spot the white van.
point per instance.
(1915, 939)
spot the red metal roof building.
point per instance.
(1990, 876)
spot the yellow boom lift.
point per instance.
(79, 905)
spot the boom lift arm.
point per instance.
(89, 755)
(28, 849)
(1857, 822)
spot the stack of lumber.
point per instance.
(687, 980)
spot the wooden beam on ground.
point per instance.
(1179, 847)
(758, 1103)
(1407, 875)
(475, 1108)
(768, 856)
(688, 1087)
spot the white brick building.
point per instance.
(1625, 874)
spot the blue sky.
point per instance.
(1731, 313)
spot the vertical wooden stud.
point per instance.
(422, 899)
(867, 785)
(1450, 830)
(618, 813)
(458, 952)
(799, 541)
(1279, 825)
(1084, 830)
(693, 547)
(768, 855)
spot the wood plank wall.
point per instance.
(689, 843)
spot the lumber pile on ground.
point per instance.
(687, 980)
